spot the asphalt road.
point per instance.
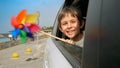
(37, 55)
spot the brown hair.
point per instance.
(73, 11)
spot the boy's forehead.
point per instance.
(69, 14)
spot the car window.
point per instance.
(71, 52)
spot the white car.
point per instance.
(101, 44)
(61, 54)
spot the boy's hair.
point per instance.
(73, 11)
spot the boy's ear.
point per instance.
(82, 24)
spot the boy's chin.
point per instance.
(70, 36)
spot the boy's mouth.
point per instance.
(70, 32)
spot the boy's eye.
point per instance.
(64, 23)
(73, 21)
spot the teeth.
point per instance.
(70, 32)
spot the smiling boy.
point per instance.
(71, 24)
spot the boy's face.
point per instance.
(70, 26)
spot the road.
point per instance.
(38, 52)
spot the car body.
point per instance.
(101, 43)
(61, 54)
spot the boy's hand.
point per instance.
(68, 41)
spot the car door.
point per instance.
(72, 53)
(102, 36)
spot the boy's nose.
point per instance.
(69, 25)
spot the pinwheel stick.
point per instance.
(57, 38)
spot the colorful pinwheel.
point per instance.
(24, 25)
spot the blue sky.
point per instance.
(48, 10)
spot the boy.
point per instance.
(71, 24)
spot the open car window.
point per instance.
(71, 52)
